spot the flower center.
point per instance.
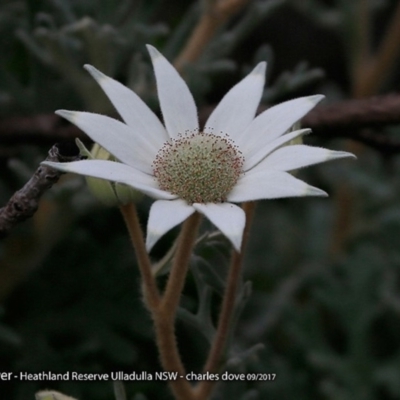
(198, 167)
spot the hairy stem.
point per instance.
(164, 316)
(204, 389)
(169, 355)
(180, 264)
(150, 290)
(163, 309)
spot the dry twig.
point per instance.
(353, 119)
(24, 203)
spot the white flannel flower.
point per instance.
(236, 157)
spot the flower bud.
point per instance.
(109, 193)
(298, 139)
(52, 395)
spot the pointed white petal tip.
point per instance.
(313, 191)
(154, 53)
(229, 218)
(94, 72)
(260, 69)
(165, 215)
(68, 115)
(316, 98)
(151, 240)
(300, 132)
(237, 242)
(335, 155)
(341, 154)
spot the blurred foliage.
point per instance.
(326, 322)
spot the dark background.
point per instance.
(325, 298)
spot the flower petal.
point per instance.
(237, 109)
(270, 185)
(132, 109)
(280, 141)
(228, 218)
(165, 215)
(292, 157)
(271, 124)
(176, 101)
(119, 139)
(116, 172)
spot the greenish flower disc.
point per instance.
(198, 167)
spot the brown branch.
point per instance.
(355, 119)
(352, 119)
(24, 203)
(355, 114)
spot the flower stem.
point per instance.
(180, 264)
(204, 389)
(164, 317)
(169, 355)
(150, 291)
(163, 310)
